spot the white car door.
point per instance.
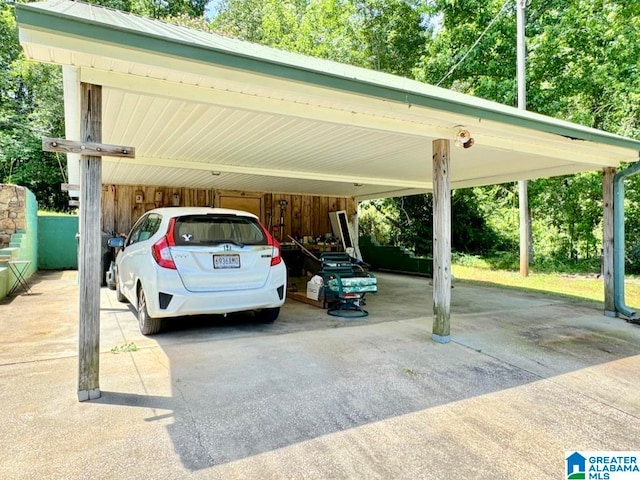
(135, 257)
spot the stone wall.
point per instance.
(12, 212)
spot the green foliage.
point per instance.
(408, 221)
(382, 35)
(577, 222)
(583, 62)
(489, 69)
(157, 8)
(373, 222)
(30, 108)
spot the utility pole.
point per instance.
(523, 194)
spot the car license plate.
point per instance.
(226, 261)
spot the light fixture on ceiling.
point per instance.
(216, 174)
(463, 138)
(357, 184)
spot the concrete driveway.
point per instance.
(526, 378)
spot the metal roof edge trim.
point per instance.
(70, 25)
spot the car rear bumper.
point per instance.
(178, 301)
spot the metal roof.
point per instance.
(193, 103)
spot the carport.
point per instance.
(193, 104)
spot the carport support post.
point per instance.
(441, 242)
(608, 175)
(89, 264)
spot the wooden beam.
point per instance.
(65, 187)
(89, 266)
(607, 241)
(95, 149)
(441, 242)
(74, 203)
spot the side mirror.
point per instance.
(116, 242)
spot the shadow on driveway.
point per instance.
(241, 389)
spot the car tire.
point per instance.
(110, 276)
(148, 325)
(119, 296)
(268, 315)
(106, 262)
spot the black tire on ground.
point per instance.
(119, 296)
(110, 276)
(148, 325)
(268, 315)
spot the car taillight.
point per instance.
(162, 254)
(170, 239)
(276, 258)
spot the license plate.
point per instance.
(226, 261)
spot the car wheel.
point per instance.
(119, 296)
(110, 276)
(268, 315)
(148, 325)
(106, 262)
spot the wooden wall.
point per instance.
(122, 205)
(304, 215)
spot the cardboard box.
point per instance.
(315, 291)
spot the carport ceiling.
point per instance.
(194, 103)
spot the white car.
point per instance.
(199, 260)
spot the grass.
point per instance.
(585, 286)
(127, 347)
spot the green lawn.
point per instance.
(583, 286)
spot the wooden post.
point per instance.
(607, 241)
(90, 258)
(441, 242)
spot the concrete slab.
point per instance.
(525, 378)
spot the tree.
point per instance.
(30, 108)
(410, 222)
(382, 35)
(489, 69)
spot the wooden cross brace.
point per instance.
(86, 148)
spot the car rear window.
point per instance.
(216, 229)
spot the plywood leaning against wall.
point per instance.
(302, 215)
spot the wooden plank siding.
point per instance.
(303, 215)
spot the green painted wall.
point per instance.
(4, 282)
(393, 259)
(57, 244)
(29, 245)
